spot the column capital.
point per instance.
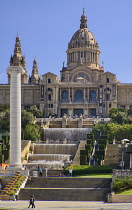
(15, 69)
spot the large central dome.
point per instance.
(83, 37)
(83, 47)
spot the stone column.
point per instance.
(15, 115)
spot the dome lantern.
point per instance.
(83, 21)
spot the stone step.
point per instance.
(76, 160)
(66, 188)
(68, 182)
(65, 194)
(113, 155)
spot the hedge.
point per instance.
(84, 152)
(88, 148)
(83, 160)
(89, 142)
(101, 153)
(101, 147)
(102, 141)
(90, 136)
(89, 169)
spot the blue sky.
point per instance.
(45, 28)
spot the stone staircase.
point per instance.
(10, 185)
(66, 189)
(113, 155)
(76, 160)
(88, 123)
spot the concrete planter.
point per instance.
(116, 198)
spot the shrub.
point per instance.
(121, 184)
(12, 192)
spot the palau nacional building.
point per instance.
(84, 87)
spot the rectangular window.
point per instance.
(84, 56)
(78, 56)
(109, 105)
(27, 107)
(107, 97)
(93, 57)
(49, 97)
(42, 92)
(51, 105)
(73, 57)
(107, 80)
(122, 106)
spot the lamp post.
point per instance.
(110, 158)
(122, 160)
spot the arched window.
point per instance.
(49, 80)
(64, 96)
(92, 96)
(81, 76)
(78, 97)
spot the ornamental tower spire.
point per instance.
(17, 49)
(34, 76)
(18, 60)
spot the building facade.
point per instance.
(83, 87)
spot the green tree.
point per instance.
(36, 112)
(5, 121)
(119, 116)
(3, 108)
(113, 130)
(113, 112)
(32, 132)
(27, 118)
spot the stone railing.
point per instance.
(8, 171)
(121, 173)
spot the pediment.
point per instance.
(49, 74)
(109, 73)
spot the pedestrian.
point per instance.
(29, 178)
(31, 201)
(40, 171)
(70, 171)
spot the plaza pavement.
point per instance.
(64, 205)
